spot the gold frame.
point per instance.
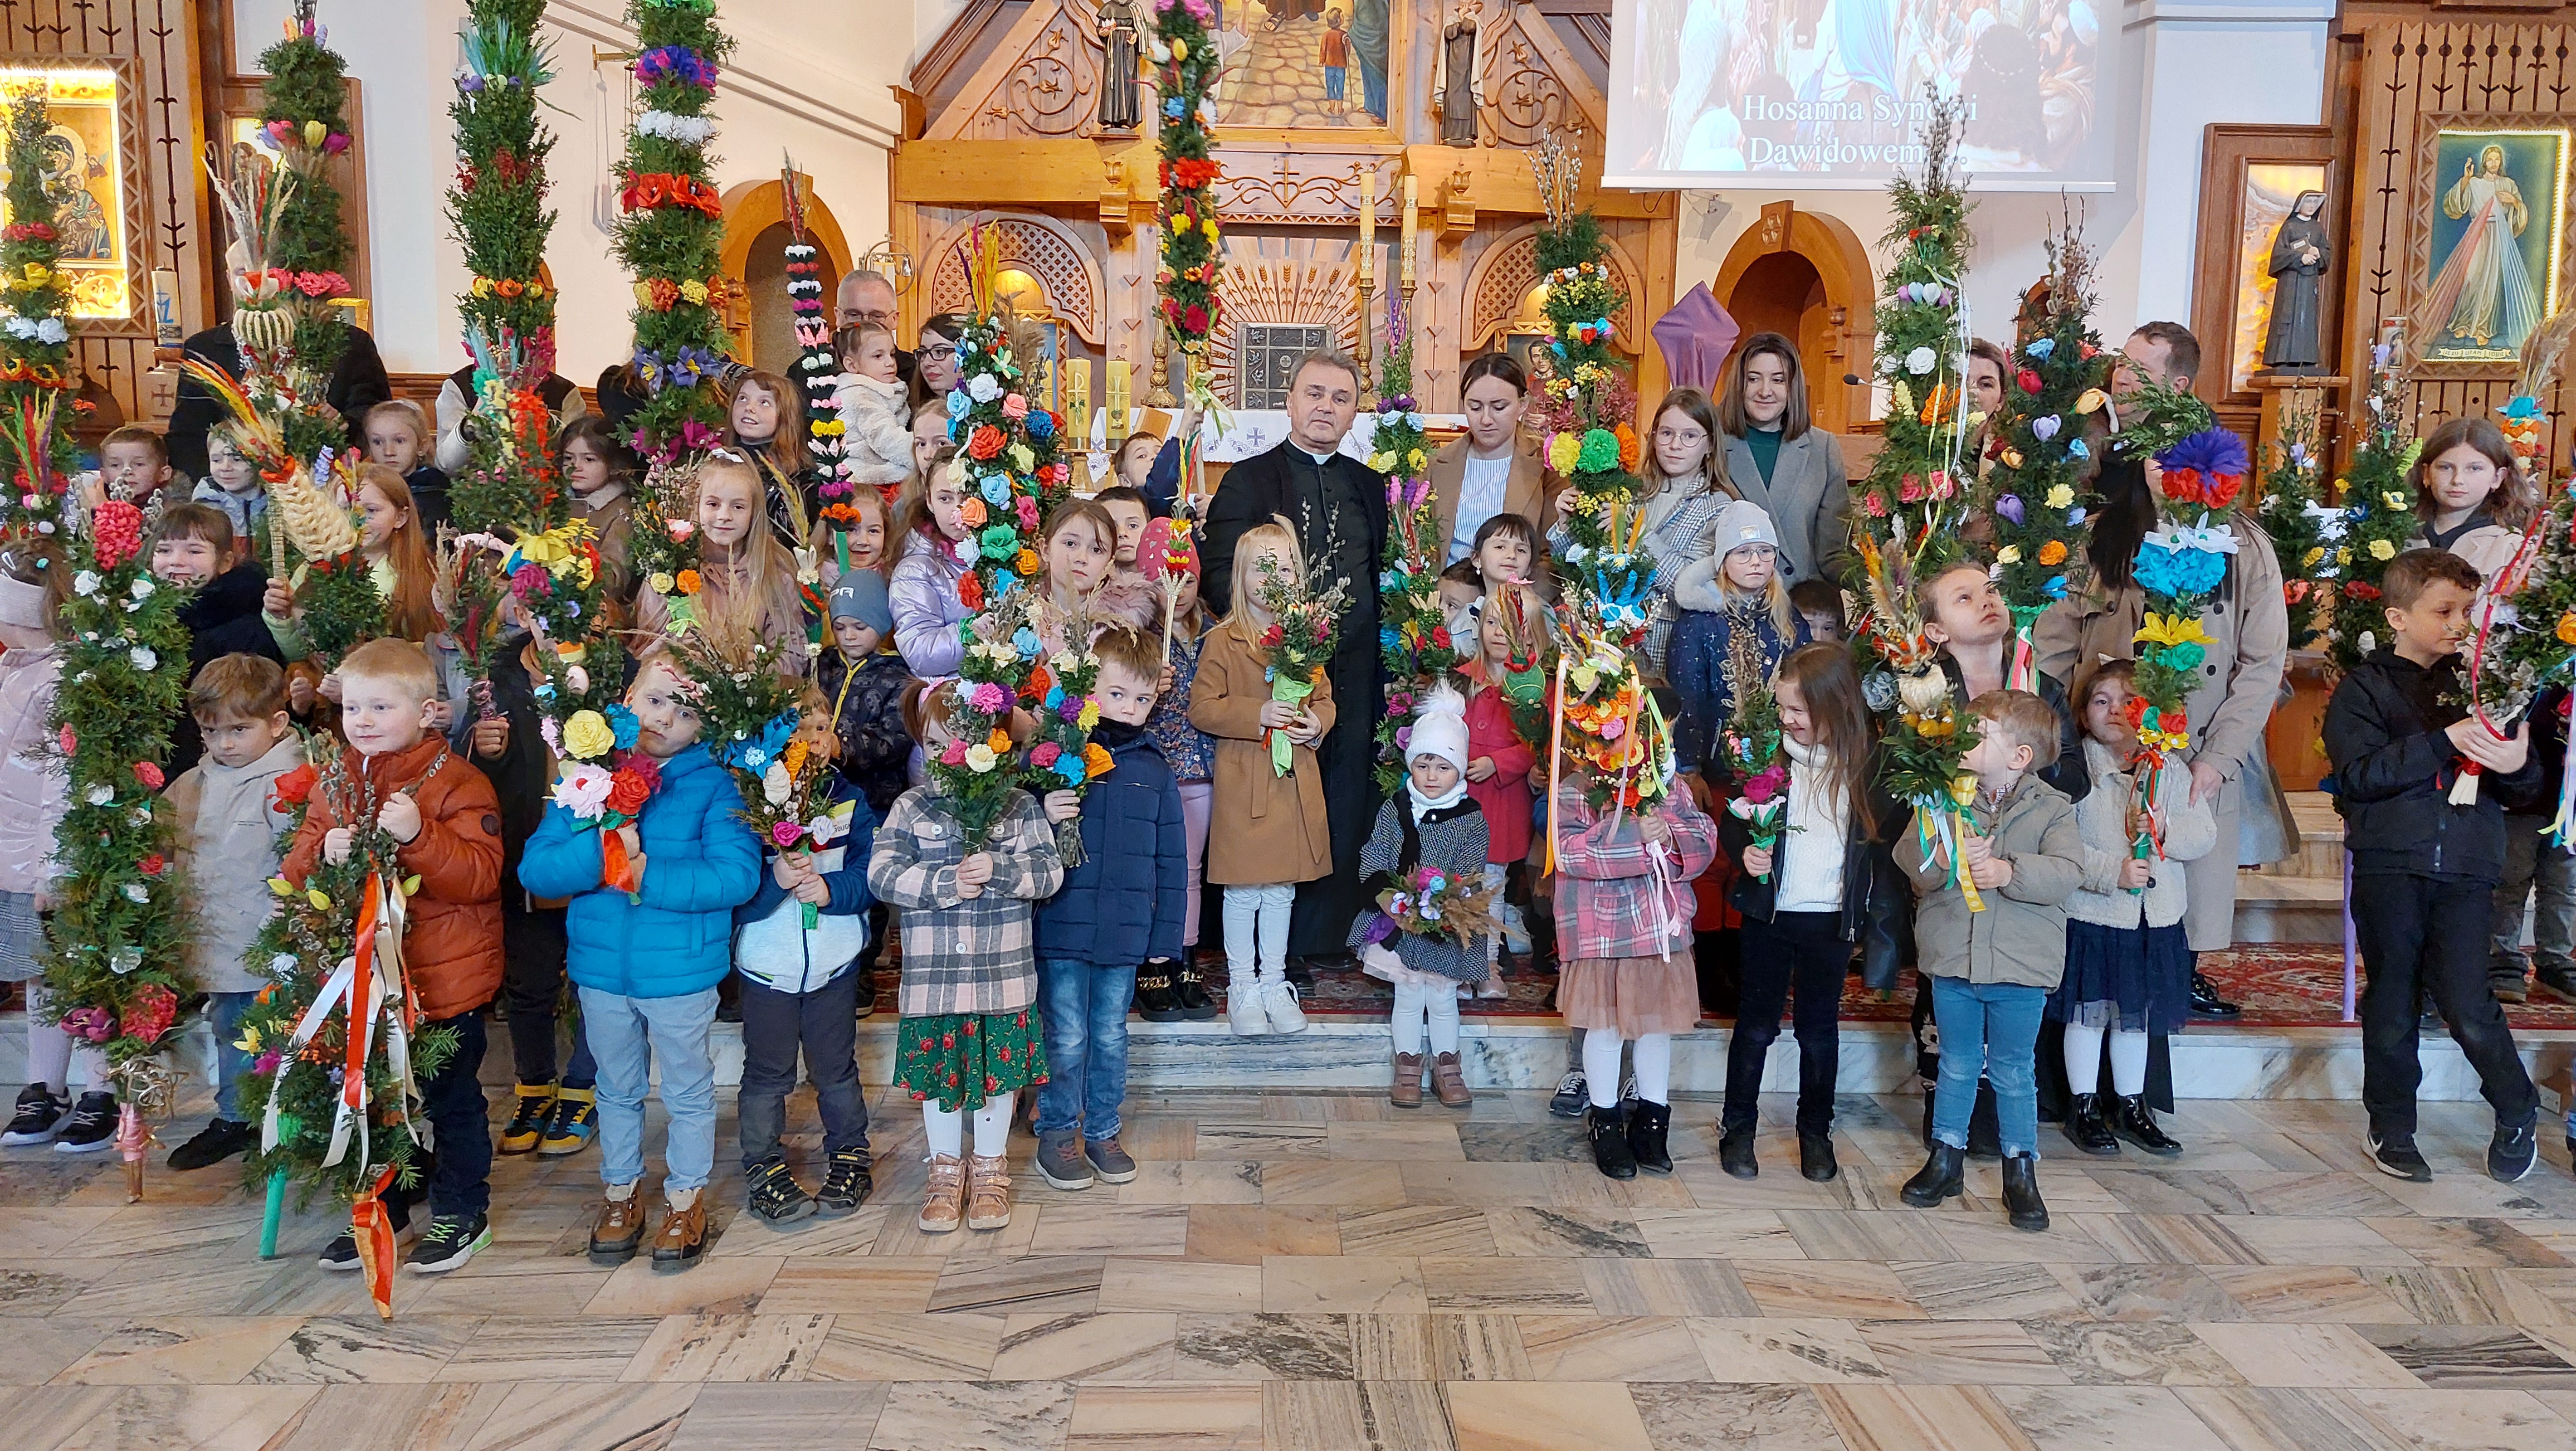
(2432, 127)
(132, 184)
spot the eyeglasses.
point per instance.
(937, 353)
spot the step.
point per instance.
(2288, 908)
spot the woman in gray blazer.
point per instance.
(1779, 460)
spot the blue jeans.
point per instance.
(628, 1036)
(1990, 1026)
(232, 1065)
(1084, 1009)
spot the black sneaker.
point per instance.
(1157, 999)
(867, 992)
(219, 1140)
(341, 1254)
(40, 1117)
(2205, 1001)
(1573, 1096)
(2512, 1152)
(2549, 981)
(2396, 1157)
(847, 1186)
(449, 1242)
(2507, 986)
(91, 1127)
(774, 1193)
(1197, 1006)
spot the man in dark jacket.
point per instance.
(358, 383)
(1122, 904)
(2424, 866)
(1337, 505)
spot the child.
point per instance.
(232, 484)
(877, 443)
(1433, 822)
(647, 957)
(1499, 763)
(967, 1043)
(1461, 590)
(230, 820)
(398, 437)
(1285, 838)
(1807, 899)
(871, 533)
(2128, 967)
(1623, 912)
(1992, 971)
(922, 592)
(800, 994)
(398, 560)
(1820, 603)
(765, 422)
(444, 817)
(2470, 494)
(599, 470)
(2538, 874)
(2423, 869)
(34, 794)
(1505, 552)
(1172, 992)
(1335, 56)
(746, 578)
(192, 547)
(863, 681)
(1128, 510)
(1122, 905)
(1135, 462)
(1080, 584)
(133, 465)
(930, 440)
(1736, 590)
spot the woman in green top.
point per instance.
(1779, 460)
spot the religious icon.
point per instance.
(2493, 259)
(1458, 78)
(1308, 63)
(82, 164)
(2300, 253)
(1118, 49)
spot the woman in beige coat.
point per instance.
(1492, 470)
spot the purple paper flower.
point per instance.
(2008, 506)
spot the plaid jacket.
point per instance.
(961, 955)
(1612, 895)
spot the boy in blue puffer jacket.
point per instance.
(651, 929)
(1121, 907)
(800, 991)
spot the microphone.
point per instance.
(1853, 379)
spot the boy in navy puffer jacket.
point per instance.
(1122, 906)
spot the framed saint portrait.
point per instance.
(2489, 239)
(93, 165)
(1312, 65)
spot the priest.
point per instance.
(1337, 505)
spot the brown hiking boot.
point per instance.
(619, 1231)
(943, 1200)
(683, 1237)
(988, 1192)
(1406, 1092)
(1450, 1082)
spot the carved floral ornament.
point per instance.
(1043, 248)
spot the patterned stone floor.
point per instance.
(1320, 1270)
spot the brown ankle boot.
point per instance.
(943, 1202)
(988, 1192)
(1450, 1082)
(620, 1229)
(683, 1237)
(1407, 1089)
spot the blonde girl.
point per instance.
(1277, 834)
(746, 579)
(1177, 992)
(1737, 591)
(922, 591)
(2471, 495)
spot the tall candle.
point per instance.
(1118, 400)
(1409, 223)
(1368, 221)
(1077, 396)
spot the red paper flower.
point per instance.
(149, 774)
(985, 442)
(627, 792)
(293, 787)
(2028, 381)
(153, 865)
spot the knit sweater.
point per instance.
(1452, 838)
(2190, 833)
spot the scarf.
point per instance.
(1424, 805)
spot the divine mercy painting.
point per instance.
(2494, 257)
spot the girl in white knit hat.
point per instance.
(1431, 823)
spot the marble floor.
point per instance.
(1320, 1270)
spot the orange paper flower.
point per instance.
(2053, 552)
(689, 581)
(1095, 760)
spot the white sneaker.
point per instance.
(1245, 1011)
(1279, 1002)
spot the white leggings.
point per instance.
(53, 1054)
(1654, 1062)
(1417, 1001)
(947, 1127)
(2128, 1060)
(1263, 909)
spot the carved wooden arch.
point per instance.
(1041, 246)
(753, 207)
(1534, 86)
(1504, 273)
(1829, 245)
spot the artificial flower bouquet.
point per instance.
(604, 782)
(1305, 625)
(1429, 902)
(1754, 748)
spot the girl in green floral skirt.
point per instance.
(969, 1039)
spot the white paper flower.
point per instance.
(282, 964)
(1920, 361)
(51, 330)
(124, 960)
(99, 795)
(144, 657)
(984, 388)
(137, 892)
(141, 589)
(85, 583)
(774, 783)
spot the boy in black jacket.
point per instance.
(192, 547)
(2424, 869)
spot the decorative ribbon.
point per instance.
(615, 870)
(1946, 824)
(369, 984)
(1667, 882)
(2148, 819)
(1555, 756)
(372, 1227)
(1283, 752)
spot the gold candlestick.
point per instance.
(1157, 393)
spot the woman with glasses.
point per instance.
(934, 361)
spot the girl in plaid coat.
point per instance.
(968, 1041)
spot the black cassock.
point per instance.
(2296, 318)
(1338, 509)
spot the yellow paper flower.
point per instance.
(588, 734)
(2009, 554)
(1026, 563)
(979, 757)
(2061, 497)
(1413, 462)
(2012, 458)
(281, 886)
(661, 582)
(1563, 450)
(693, 291)
(1180, 224)
(2397, 500)
(2092, 401)
(37, 274)
(1382, 462)
(2173, 630)
(1090, 715)
(320, 899)
(2382, 550)
(315, 133)
(1022, 459)
(2343, 557)
(1209, 227)
(1180, 50)
(999, 742)
(2309, 560)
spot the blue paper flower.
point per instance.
(2212, 451)
(2077, 448)
(1026, 641)
(2075, 516)
(1071, 767)
(958, 403)
(755, 754)
(996, 489)
(2055, 589)
(2041, 347)
(1054, 697)
(1040, 424)
(622, 722)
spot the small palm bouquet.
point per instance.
(1753, 746)
(787, 802)
(1429, 902)
(1305, 625)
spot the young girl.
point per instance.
(598, 469)
(232, 484)
(878, 439)
(969, 1039)
(765, 419)
(1081, 581)
(1499, 762)
(1682, 485)
(2128, 966)
(922, 591)
(929, 440)
(1432, 822)
(1623, 912)
(2470, 494)
(34, 794)
(744, 574)
(1176, 992)
(1736, 591)
(398, 560)
(1807, 899)
(1505, 552)
(398, 437)
(871, 532)
(1284, 837)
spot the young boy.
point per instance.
(398, 437)
(2424, 869)
(229, 821)
(232, 484)
(800, 983)
(1121, 907)
(133, 465)
(647, 953)
(864, 682)
(192, 546)
(1992, 971)
(1128, 507)
(1820, 603)
(443, 815)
